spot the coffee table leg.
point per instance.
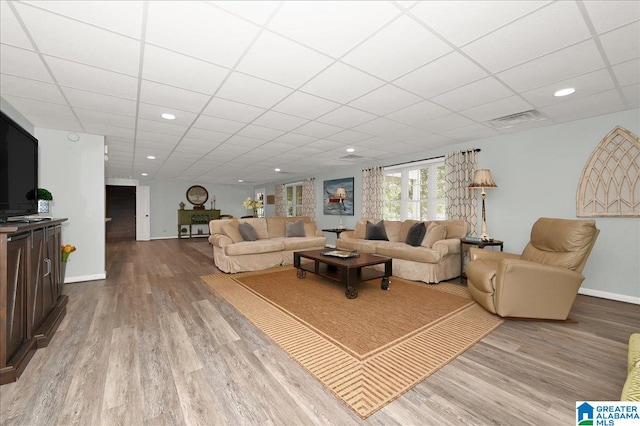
(301, 273)
(385, 283)
(348, 276)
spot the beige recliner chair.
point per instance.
(540, 283)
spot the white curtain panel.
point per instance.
(462, 202)
(372, 192)
(280, 201)
(309, 198)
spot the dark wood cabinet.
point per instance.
(31, 300)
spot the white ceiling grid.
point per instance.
(256, 85)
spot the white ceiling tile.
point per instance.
(73, 40)
(31, 89)
(622, 44)
(109, 131)
(459, 21)
(418, 113)
(610, 14)
(260, 132)
(253, 91)
(587, 106)
(23, 63)
(154, 113)
(153, 138)
(256, 11)
(295, 139)
(548, 29)
(166, 127)
(379, 126)
(471, 132)
(627, 72)
(585, 85)
(318, 130)
(218, 124)
(349, 136)
(632, 95)
(332, 27)
(442, 124)
(245, 141)
(37, 107)
(88, 116)
(232, 110)
(402, 46)
(280, 121)
(342, 83)
(497, 109)
(346, 117)
(385, 100)
(50, 121)
(11, 33)
(305, 105)
(200, 30)
(473, 94)
(118, 16)
(207, 135)
(575, 60)
(406, 134)
(92, 79)
(185, 72)
(324, 145)
(168, 96)
(442, 75)
(277, 59)
(100, 102)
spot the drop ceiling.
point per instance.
(259, 85)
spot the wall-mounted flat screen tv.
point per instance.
(18, 170)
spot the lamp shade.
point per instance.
(341, 193)
(482, 179)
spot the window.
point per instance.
(293, 194)
(415, 191)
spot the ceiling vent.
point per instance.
(353, 157)
(518, 119)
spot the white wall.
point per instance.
(74, 173)
(537, 172)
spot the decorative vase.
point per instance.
(43, 206)
(63, 271)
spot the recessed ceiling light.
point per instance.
(151, 157)
(240, 180)
(350, 149)
(144, 174)
(277, 170)
(168, 116)
(564, 92)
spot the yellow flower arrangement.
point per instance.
(250, 204)
(66, 251)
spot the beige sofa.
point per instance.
(436, 259)
(231, 253)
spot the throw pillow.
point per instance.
(434, 234)
(231, 230)
(360, 230)
(294, 229)
(416, 234)
(248, 232)
(376, 232)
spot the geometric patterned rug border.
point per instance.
(365, 385)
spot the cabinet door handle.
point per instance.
(48, 264)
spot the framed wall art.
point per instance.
(338, 197)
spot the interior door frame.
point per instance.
(143, 211)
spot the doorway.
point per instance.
(121, 208)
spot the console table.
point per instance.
(188, 218)
(31, 300)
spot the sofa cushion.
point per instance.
(435, 233)
(416, 234)
(294, 229)
(406, 252)
(302, 243)
(230, 229)
(360, 230)
(253, 247)
(357, 244)
(247, 231)
(376, 232)
(310, 228)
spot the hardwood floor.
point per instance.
(153, 345)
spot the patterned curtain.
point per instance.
(280, 201)
(309, 198)
(372, 192)
(462, 202)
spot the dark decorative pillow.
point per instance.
(294, 229)
(376, 232)
(247, 231)
(416, 234)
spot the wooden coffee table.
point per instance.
(347, 271)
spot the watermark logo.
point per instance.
(607, 413)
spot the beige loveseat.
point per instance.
(436, 258)
(272, 247)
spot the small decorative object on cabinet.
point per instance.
(181, 205)
(31, 301)
(44, 197)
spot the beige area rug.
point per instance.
(370, 350)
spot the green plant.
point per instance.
(44, 194)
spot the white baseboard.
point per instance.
(183, 238)
(81, 278)
(610, 296)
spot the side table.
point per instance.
(336, 231)
(480, 244)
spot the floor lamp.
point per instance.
(482, 179)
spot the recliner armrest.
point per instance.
(490, 255)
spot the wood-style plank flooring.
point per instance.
(153, 345)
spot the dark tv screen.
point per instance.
(18, 170)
